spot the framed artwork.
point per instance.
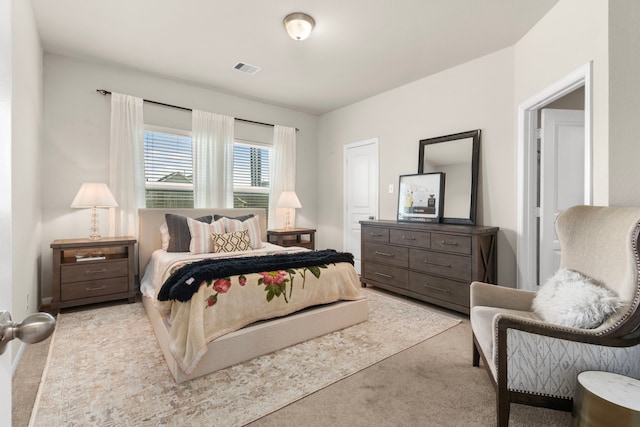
(420, 197)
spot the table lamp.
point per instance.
(288, 200)
(94, 195)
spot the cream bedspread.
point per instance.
(228, 304)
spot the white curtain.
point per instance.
(212, 136)
(283, 173)
(126, 164)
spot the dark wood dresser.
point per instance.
(431, 262)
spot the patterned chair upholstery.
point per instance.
(537, 363)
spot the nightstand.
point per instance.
(90, 271)
(303, 237)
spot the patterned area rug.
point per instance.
(105, 368)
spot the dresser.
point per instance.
(435, 263)
(90, 271)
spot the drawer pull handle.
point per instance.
(383, 275)
(446, 291)
(408, 238)
(384, 253)
(426, 261)
(102, 270)
(97, 289)
(376, 234)
(444, 242)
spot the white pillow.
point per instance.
(572, 299)
(164, 234)
(201, 242)
(251, 224)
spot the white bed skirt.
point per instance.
(262, 337)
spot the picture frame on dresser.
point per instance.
(421, 197)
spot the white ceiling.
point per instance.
(358, 48)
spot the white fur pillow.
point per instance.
(572, 299)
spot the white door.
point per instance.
(360, 192)
(562, 179)
(5, 200)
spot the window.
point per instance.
(250, 175)
(168, 169)
(169, 172)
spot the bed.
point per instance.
(291, 322)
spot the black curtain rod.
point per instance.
(106, 92)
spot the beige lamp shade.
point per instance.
(94, 195)
(289, 199)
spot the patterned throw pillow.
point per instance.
(200, 231)
(179, 233)
(231, 242)
(252, 225)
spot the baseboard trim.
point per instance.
(16, 361)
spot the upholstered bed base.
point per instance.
(262, 337)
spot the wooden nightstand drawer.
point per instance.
(93, 288)
(93, 270)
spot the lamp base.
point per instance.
(287, 221)
(95, 230)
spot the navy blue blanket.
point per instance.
(185, 281)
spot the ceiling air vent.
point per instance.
(246, 68)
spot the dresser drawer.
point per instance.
(93, 288)
(418, 239)
(442, 289)
(451, 243)
(386, 274)
(449, 265)
(375, 234)
(93, 270)
(386, 254)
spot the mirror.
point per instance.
(457, 156)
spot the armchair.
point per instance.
(537, 363)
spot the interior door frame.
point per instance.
(527, 165)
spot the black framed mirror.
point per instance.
(458, 157)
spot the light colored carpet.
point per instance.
(105, 368)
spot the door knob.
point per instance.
(33, 329)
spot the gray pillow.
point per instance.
(179, 234)
(241, 218)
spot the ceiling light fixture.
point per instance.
(299, 25)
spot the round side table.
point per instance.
(606, 399)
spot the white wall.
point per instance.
(26, 161)
(475, 95)
(573, 33)
(624, 103)
(76, 136)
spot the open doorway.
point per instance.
(554, 153)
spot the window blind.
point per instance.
(168, 170)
